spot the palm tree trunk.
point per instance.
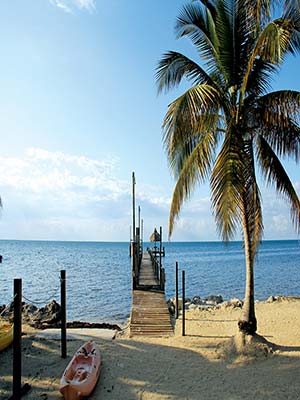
(247, 323)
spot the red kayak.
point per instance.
(82, 373)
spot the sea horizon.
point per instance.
(146, 241)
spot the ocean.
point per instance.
(99, 273)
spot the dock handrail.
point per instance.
(158, 269)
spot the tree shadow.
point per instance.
(275, 346)
(141, 369)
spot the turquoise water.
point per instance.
(99, 274)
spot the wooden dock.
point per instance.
(149, 313)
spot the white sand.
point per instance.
(190, 367)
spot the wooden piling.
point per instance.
(17, 351)
(138, 252)
(139, 217)
(183, 303)
(176, 289)
(160, 234)
(63, 314)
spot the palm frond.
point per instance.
(260, 10)
(275, 174)
(234, 39)
(184, 114)
(196, 23)
(195, 169)
(252, 199)
(210, 6)
(292, 13)
(272, 45)
(193, 22)
(227, 185)
(278, 118)
(180, 145)
(259, 81)
(174, 66)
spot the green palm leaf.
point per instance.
(275, 174)
(196, 169)
(174, 66)
(271, 46)
(227, 186)
(278, 118)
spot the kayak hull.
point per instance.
(6, 334)
(82, 373)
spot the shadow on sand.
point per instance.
(139, 369)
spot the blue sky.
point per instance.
(80, 112)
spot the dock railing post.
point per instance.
(138, 255)
(17, 350)
(160, 247)
(133, 266)
(183, 303)
(162, 278)
(142, 235)
(63, 314)
(176, 290)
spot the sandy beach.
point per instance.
(192, 367)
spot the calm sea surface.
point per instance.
(99, 274)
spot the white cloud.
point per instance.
(68, 5)
(61, 5)
(88, 4)
(41, 171)
(54, 195)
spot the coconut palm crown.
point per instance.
(229, 125)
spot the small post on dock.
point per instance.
(17, 352)
(139, 216)
(138, 254)
(133, 266)
(133, 243)
(160, 247)
(176, 290)
(63, 314)
(183, 303)
(142, 234)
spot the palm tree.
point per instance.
(229, 123)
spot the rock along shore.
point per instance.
(49, 316)
(216, 301)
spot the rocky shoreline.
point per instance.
(216, 301)
(49, 316)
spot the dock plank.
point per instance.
(149, 313)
